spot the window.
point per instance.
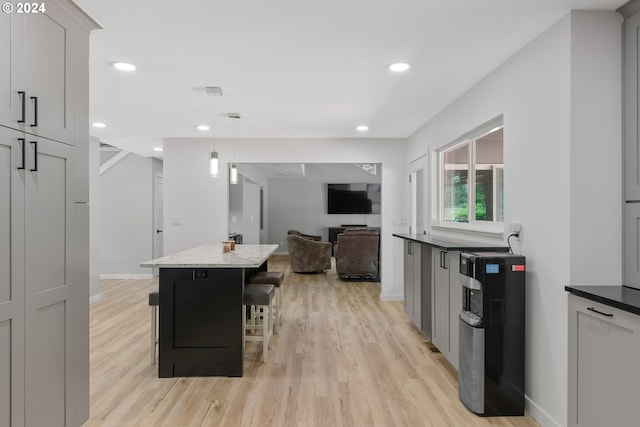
(472, 179)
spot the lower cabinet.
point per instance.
(631, 242)
(37, 289)
(604, 373)
(413, 282)
(447, 303)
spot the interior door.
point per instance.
(49, 243)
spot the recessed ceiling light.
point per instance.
(203, 127)
(98, 125)
(362, 128)
(157, 148)
(399, 67)
(124, 66)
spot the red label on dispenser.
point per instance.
(517, 267)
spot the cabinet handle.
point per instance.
(409, 248)
(22, 148)
(35, 111)
(22, 100)
(35, 156)
(443, 260)
(599, 312)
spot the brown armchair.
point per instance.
(358, 254)
(307, 255)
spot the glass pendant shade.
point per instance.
(214, 164)
(234, 174)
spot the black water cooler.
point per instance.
(491, 362)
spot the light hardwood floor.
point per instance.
(342, 358)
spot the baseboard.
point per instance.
(95, 298)
(391, 297)
(126, 276)
(538, 414)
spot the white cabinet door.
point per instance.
(49, 287)
(441, 302)
(604, 375)
(11, 279)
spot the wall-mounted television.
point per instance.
(353, 198)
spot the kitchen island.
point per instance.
(201, 308)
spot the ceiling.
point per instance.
(297, 68)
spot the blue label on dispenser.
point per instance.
(493, 268)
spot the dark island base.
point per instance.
(201, 322)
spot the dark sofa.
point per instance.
(358, 254)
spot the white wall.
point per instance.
(126, 218)
(596, 148)
(203, 209)
(560, 100)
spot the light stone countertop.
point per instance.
(211, 256)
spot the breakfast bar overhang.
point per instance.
(200, 319)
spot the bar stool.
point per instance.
(275, 278)
(154, 302)
(260, 298)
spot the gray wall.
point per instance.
(126, 218)
(301, 204)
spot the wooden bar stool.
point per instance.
(275, 278)
(154, 302)
(260, 298)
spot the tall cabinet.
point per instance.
(43, 203)
(631, 136)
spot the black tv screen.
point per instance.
(353, 198)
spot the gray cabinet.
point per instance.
(631, 242)
(447, 303)
(38, 66)
(630, 93)
(43, 285)
(36, 285)
(604, 376)
(12, 196)
(631, 137)
(413, 282)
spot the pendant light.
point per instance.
(233, 177)
(214, 162)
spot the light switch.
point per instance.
(234, 219)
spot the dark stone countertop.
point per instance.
(452, 244)
(622, 297)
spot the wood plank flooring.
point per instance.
(342, 358)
